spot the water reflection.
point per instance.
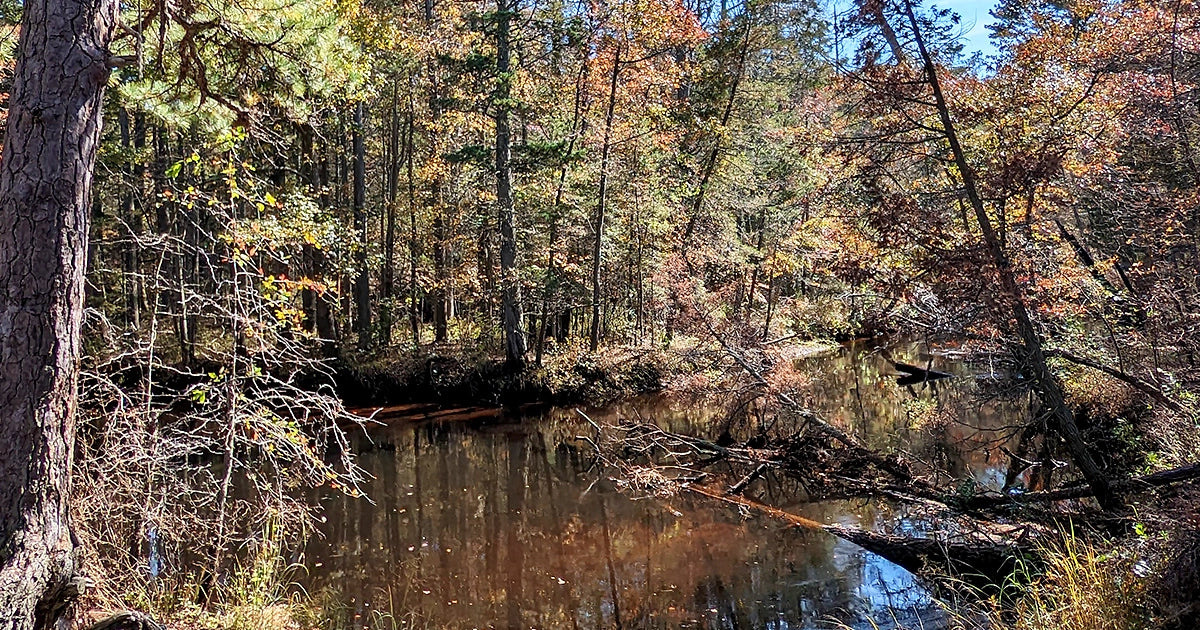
(498, 523)
(949, 424)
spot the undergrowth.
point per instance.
(1144, 582)
(1081, 587)
(260, 593)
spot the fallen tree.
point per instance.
(979, 538)
(968, 548)
(1129, 485)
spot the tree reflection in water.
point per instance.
(500, 524)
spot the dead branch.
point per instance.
(1142, 386)
(1130, 485)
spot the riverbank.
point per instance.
(453, 376)
(462, 377)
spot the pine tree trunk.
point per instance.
(510, 285)
(387, 283)
(440, 295)
(45, 184)
(414, 317)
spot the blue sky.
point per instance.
(975, 17)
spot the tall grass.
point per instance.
(260, 592)
(1082, 588)
(1072, 585)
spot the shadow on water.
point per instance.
(498, 523)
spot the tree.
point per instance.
(50, 147)
(362, 282)
(633, 41)
(1048, 386)
(916, 105)
(510, 287)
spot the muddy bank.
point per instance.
(435, 377)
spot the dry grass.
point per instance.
(1084, 589)
(1075, 585)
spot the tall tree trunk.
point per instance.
(323, 308)
(549, 288)
(602, 202)
(510, 283)
(1035, 358)
(189, 272)
(133, 134)
(308, 296)
(362, 283)
(872, 10)
(440, 294)
(45, 183)
(387, 276)
(414, 320)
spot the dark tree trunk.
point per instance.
(323, 313)
(414, 321)
(510, 284)
(45, 184)
(133, 134)
(439, 295)
(387, 283)
(362, 283)
(308, 296)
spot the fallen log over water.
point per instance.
(977, 551)
(980, 560)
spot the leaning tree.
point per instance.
(54, 120)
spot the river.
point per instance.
(496, 521)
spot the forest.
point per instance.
(382, 314)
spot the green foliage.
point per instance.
(212, 65)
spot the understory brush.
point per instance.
(258, 592)
(1082, 587)
(1148, 581)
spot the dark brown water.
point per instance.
(496, 521)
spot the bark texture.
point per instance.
(362, 282)
(45, 184)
